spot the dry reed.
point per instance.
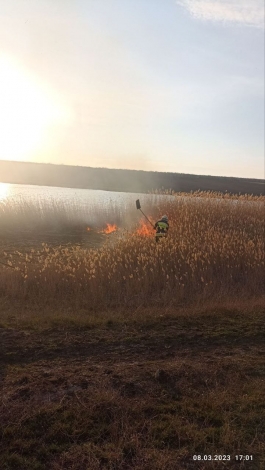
(215, 250)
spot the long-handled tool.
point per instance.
(138, 206)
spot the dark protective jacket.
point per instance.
(161, 228)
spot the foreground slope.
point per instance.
(133, 390)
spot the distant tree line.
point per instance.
(135, 181)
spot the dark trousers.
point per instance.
(158, 238)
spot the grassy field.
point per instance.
(132, 389)
(132, 355)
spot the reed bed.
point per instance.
(21, 218)
(215, 250)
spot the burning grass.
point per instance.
(215, 249)
(110, 228)
(145, 229)
(21, 219)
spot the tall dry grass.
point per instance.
(21, 218)
(215, 250)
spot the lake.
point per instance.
(81, 197)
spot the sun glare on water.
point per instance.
(27, 112)
(4, 191)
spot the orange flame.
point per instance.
(88, 229)
(144, 229)
(110, 228)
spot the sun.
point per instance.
(27, 112)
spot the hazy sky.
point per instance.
(164, 85)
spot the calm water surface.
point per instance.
(16, 193)
(82, 197)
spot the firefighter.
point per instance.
(161, 227)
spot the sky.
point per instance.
(159, 85)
